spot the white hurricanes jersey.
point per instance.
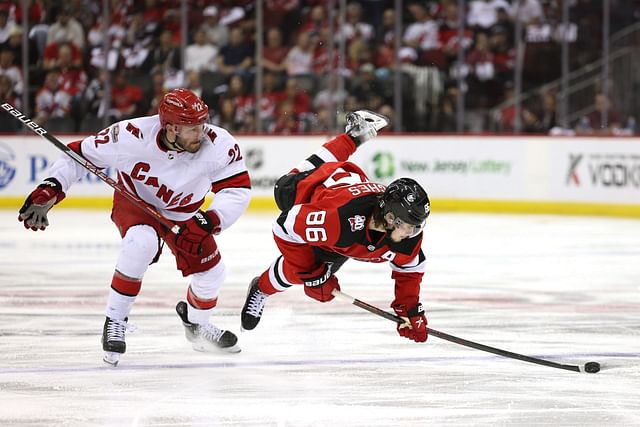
(175, 183)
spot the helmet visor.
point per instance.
(412, 229)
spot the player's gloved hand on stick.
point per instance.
(415, 326)
(319, 283)
(196, 230)
(33, 212)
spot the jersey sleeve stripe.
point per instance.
(416, 265)
(241, 180)
(284, 229)
(190, 208)
(76, 147)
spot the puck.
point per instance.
(592, 367)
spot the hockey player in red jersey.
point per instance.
(170, 161)
(332, 212)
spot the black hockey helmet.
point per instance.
(407, 200)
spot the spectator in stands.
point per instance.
(236, 57)
(545, 113)
(483, 14)
(14, 44)
(5, 25)
(225, 116)
(358, 53)
(66, 29)
(93, 101)
(52, 102)
(287, 122)
(422, 34)
(300, 58)
(126, 98)
(299, 99)
(316, 21)
(201, 55)
(507, 115)
(51, 57)
(272, 95)
(7, 94)
(504, 54)
(280, 13)
(364, 84)
(484, 90)
(165, 56)
(450, 37)
(447, 121)
(274, 53)
(526, 11)
(244, 99)
(8, 69)
(95, 39)
(158, 90)
(594, 122)
(73, 79)
(194, 84)
(355, 26)
(321, 122)
(217, 33)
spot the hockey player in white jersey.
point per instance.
(170, 161)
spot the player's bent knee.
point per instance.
(141, 238)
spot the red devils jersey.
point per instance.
(332, 210)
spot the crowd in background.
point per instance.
(67, 61)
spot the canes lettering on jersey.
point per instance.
(146, 167)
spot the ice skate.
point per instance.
(207, 338)
(253, 306)
(363, 125)
(113, 342)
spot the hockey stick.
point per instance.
(37, 129)
(590, 367)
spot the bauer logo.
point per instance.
(7, 168)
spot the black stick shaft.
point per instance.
(38, 130)
(390, 316)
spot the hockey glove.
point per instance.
(33, 212)
(195, 231)
(415, 326)
(319, 283)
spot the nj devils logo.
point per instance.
(357, 222)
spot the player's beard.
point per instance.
(180, 145)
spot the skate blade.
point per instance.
(207, 348)
(111, 358)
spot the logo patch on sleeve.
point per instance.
(357, 222)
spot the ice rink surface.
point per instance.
(565, 289)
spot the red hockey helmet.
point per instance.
(182, 107)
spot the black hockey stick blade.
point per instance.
(451, 338)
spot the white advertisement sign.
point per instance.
(588, 170)
(597, 170)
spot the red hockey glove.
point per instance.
(33, 212)
(415, 327)
(319, 283)
(194, 232)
